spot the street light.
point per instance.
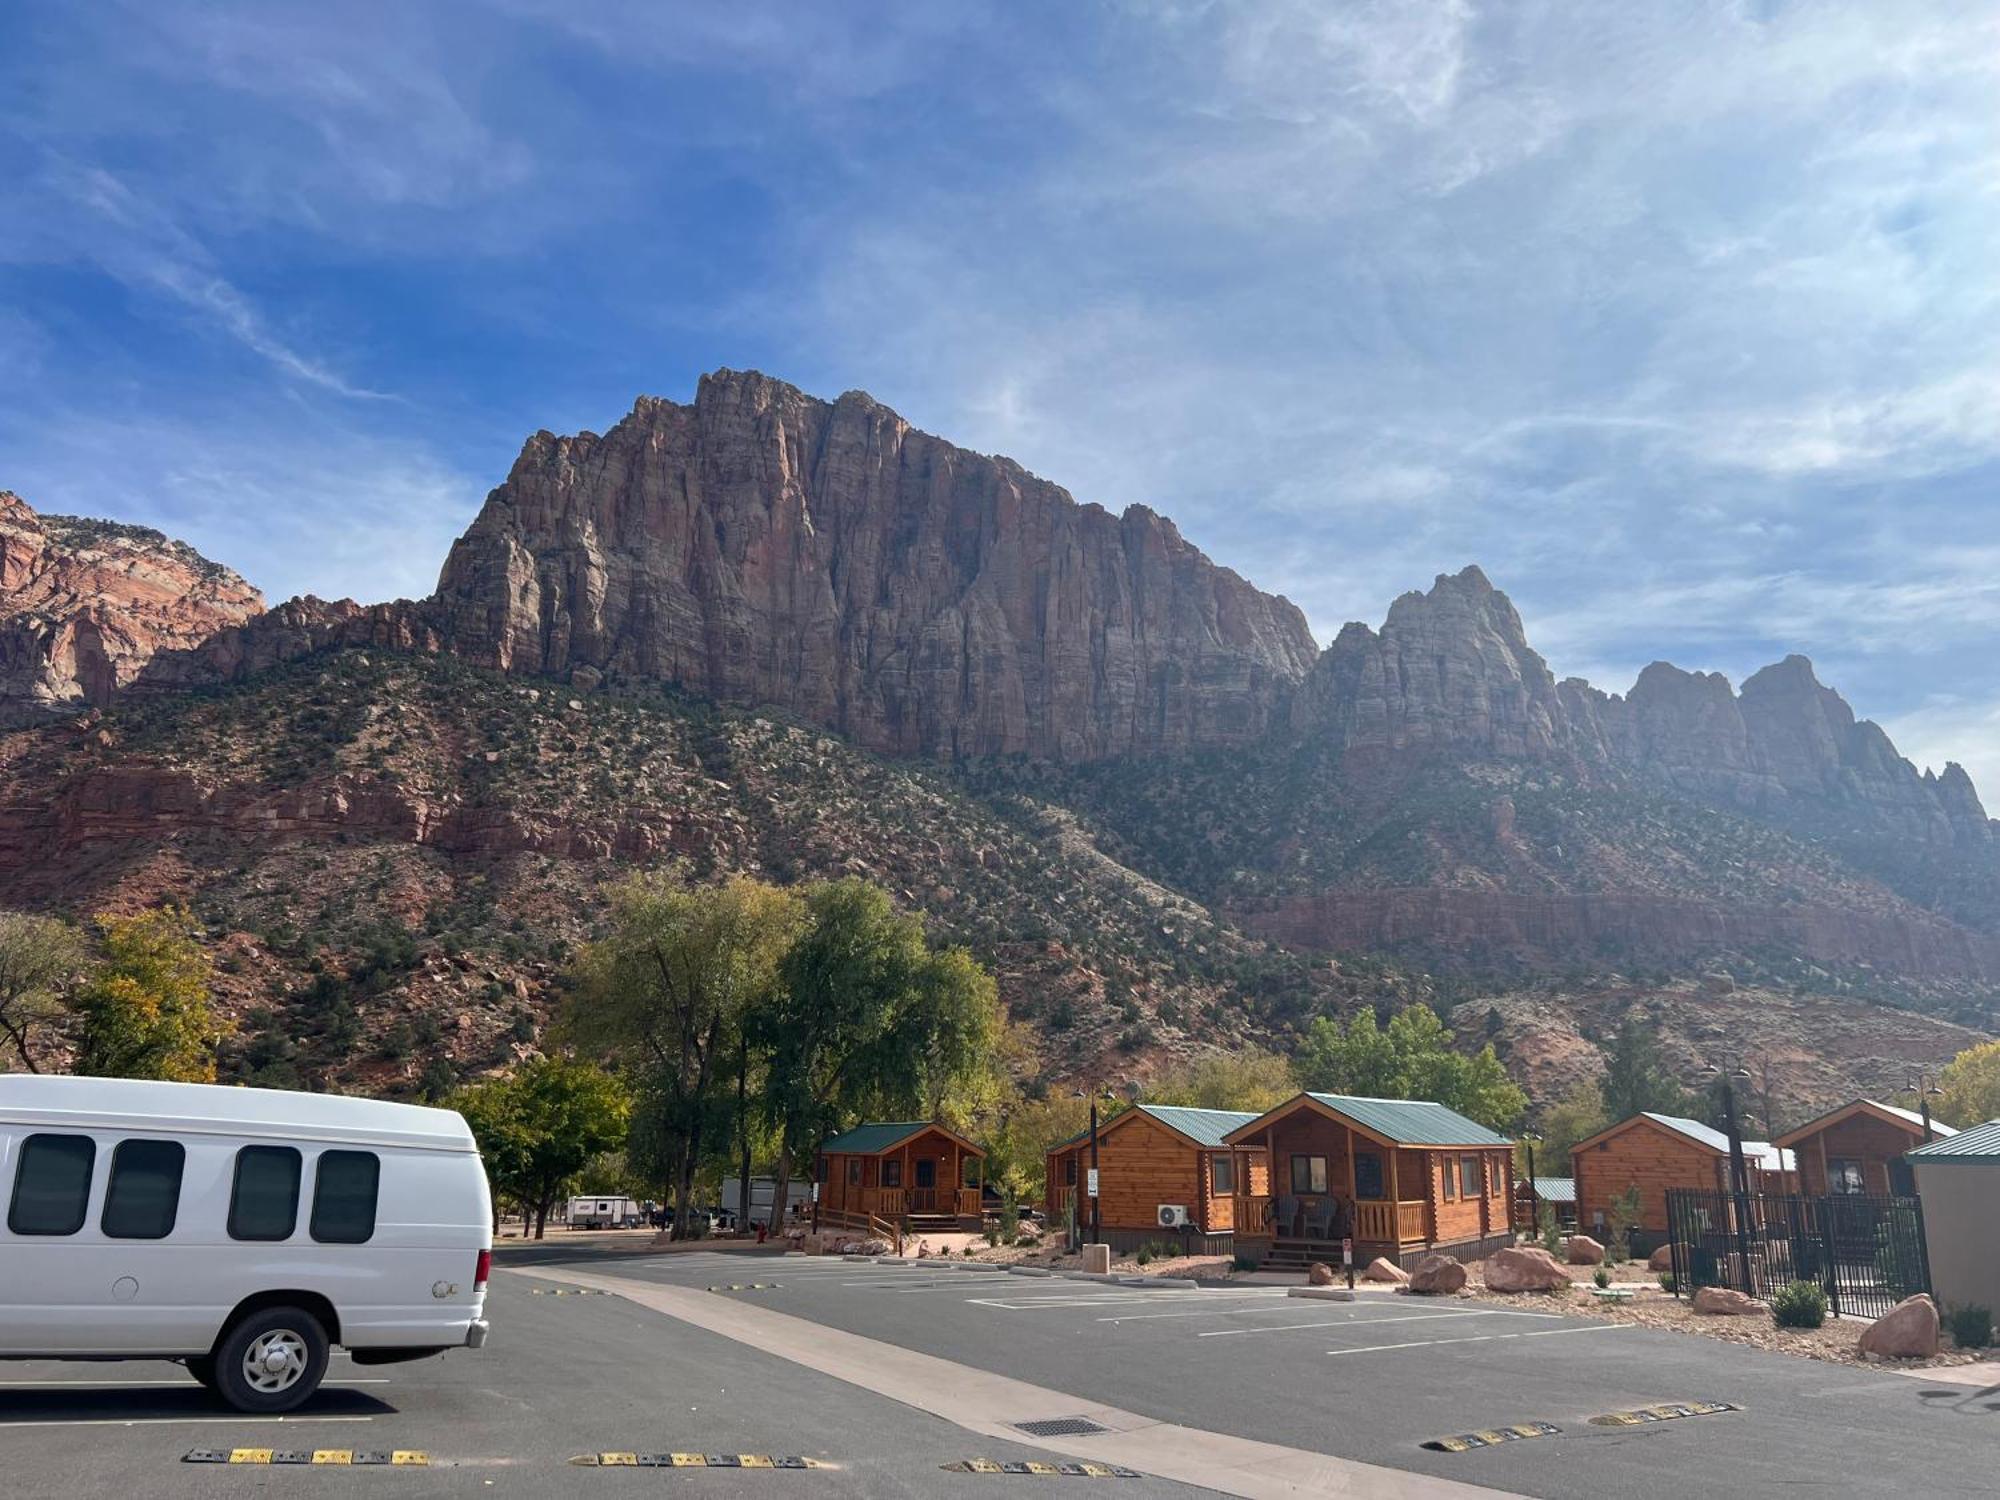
(1091, 1183)
(1925, 1087)
(1739, 1174)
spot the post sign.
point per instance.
(1090, 1182)
(1347, 1252)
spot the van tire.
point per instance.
(245, 1377)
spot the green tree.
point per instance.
(1576, 1116)
(144, 1012)
(1018, 1146)
(668, 991)
(866, 1020)
(40, 958)
(540, 1126)
(1636, 1078)
(1969, 1087)
(1412, 1058)
(1251, 1079)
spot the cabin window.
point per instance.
(144, 1195)
(52, 1185)
(1308, 1174)
(1367, 1175)
(1843, 1175)
(1222, 1175)
(892, 1174)
(1471, 1180)
(1069, 1171)
(344, 1192)
(1450, 1175)
(264, 1200)
(854, 1171)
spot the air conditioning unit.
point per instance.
(1173, 1216)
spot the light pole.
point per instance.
(1739, 1173)
(1090, 1184)
(1926, 1089)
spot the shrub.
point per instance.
(1145, 1255)
(1666, 1281)
(1800, 1305)
(1246, 1262)
(1971, 1325)
(1602, 1276)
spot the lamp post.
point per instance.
(1739, 1173)
(1926, 1089)
(1090, 1184)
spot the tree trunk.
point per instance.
(781, 1189)
(743, 1137)
(541, 1217)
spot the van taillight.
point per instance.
(485, 1265)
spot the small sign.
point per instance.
(1090, 1182)
(815, 1192)
(1347, 1252)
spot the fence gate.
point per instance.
(1866, 1251)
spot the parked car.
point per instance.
(242, 1232)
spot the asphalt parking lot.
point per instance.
(563, 1377)
(1376, 1379)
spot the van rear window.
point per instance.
(52, 1185)
(145, 1190)
(344, 1185)
(264, 1203)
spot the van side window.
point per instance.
(264, 1202)
(52, 1186)
(144, 1194)
(344, 1184)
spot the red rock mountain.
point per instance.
(85, 605)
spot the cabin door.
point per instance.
(925, 1199)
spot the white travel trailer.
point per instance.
(241, 1231)
(612, 1211)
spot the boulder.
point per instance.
(1028, 1232)
(1909, 1330)
(1437, 1276)
(1319, 1274)
(1662, 1259)
(1525, 1268)
(870, 1247)
(1725, 1302)
(1582, 1250)
(1382, 1270)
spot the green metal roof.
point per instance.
(1205, 1127)
(1413, 1122)
(1980, 1143)
(874, 1136)
(1556, 1189)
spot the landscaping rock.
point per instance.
(1725, 1302)
(1028, 1232)
(871, 1247)
(1582, 1250)
(1661, 1259)
(1319, 1274)
(1437, 1276)
(1525, 1269)
(1381, 1270)
(1909, 1330)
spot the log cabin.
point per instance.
(1654, 1152)
(916, 1175)
(1155, 1156)
(1401, 1177)
(1859, 1148)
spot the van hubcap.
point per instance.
(275, 1361)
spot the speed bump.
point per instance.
(1047, 1471)
(747, 1286)
(1670, 1412)
(570, 1291)
(402, 1458)
(620, 1460)
(1492, 1437)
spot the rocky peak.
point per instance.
(86, 604)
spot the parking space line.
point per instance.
(1486, 1338)
(1224, 1333)
(218, 1418)
(163, 1385)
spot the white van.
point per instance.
(241, 1231)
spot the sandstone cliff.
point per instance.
(763, 546)
(85, 605)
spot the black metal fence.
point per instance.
(1867, 1252)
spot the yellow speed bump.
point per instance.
(622, 1460)
(1671, 1411)
(1491, 1437)
(1041, 1470)
(405, 1458)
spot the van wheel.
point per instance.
(271, 1360)
(202, 1367)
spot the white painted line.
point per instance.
(215, 1421)
(1225, 1333)
(1486, 1338)
(1282, 1306)
(189, 1384)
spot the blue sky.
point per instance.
(1680, 319)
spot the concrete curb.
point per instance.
(1029, 1271)
(1165, 1283)
(1321, 1293)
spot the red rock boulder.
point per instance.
(1437, 1276)
(1525, 1268)
(1909, 1330)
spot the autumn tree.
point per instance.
(144, 1012)
(1969, 1087)
(40, 959)
(541, 1126)
(1576, 1116)
(1249, 1079)
(668, 992)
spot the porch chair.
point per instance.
(1284, 1220)
(1319, 1220)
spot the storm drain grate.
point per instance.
(1061, 1427)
